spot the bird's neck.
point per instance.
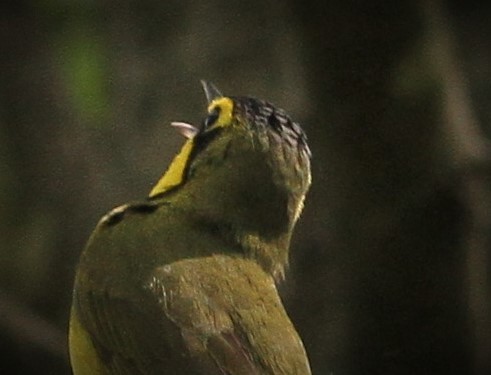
(245, 206)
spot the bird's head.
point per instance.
(247, 163)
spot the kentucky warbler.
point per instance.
(183, 282)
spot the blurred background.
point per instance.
(390, 264)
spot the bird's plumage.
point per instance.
(184, 281)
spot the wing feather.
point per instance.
(211, 315)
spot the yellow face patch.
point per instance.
(224, 106)
(174, 175)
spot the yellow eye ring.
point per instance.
(222, 108)
(212, 117)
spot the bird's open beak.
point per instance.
(187, 130)
(211, 91)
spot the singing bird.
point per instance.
(184, 281)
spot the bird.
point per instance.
(184, 281)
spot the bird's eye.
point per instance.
(211, 118)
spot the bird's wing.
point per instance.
(212, 315)
(117, 335)
(230, 316)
